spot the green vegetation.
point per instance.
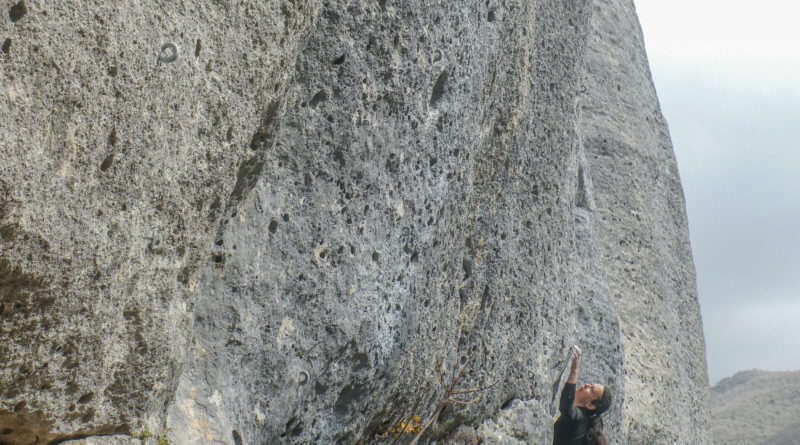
(146, 434)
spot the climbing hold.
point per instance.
(169, 53)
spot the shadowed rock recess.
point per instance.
(275, 238)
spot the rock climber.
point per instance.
(581, 421)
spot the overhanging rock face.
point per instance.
(277, 237)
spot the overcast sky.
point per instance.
(728, 79)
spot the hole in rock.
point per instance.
(16, 12)
(106, 164)
(321, 96)
(237, 438)
(438, 87)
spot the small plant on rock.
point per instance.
(146, 434)
(412, 427)
(453, 395)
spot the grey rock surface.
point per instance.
(115, 174)
(416, 207)
(641, 226)
(277, 237)
(111, 440)
(628, 180)
(756, 407)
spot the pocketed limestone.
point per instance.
(278, 237)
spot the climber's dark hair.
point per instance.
(602, 403)
(595, 435)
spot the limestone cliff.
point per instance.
(276, 237)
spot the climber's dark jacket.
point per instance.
(572, 425)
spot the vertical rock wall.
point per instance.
(278, 237)
(642, 229)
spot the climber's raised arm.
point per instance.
(576, 364)
(567, 402)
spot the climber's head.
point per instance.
(594, 397)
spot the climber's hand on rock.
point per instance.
(576, 364)
(576, 357)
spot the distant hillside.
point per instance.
(757, 408)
